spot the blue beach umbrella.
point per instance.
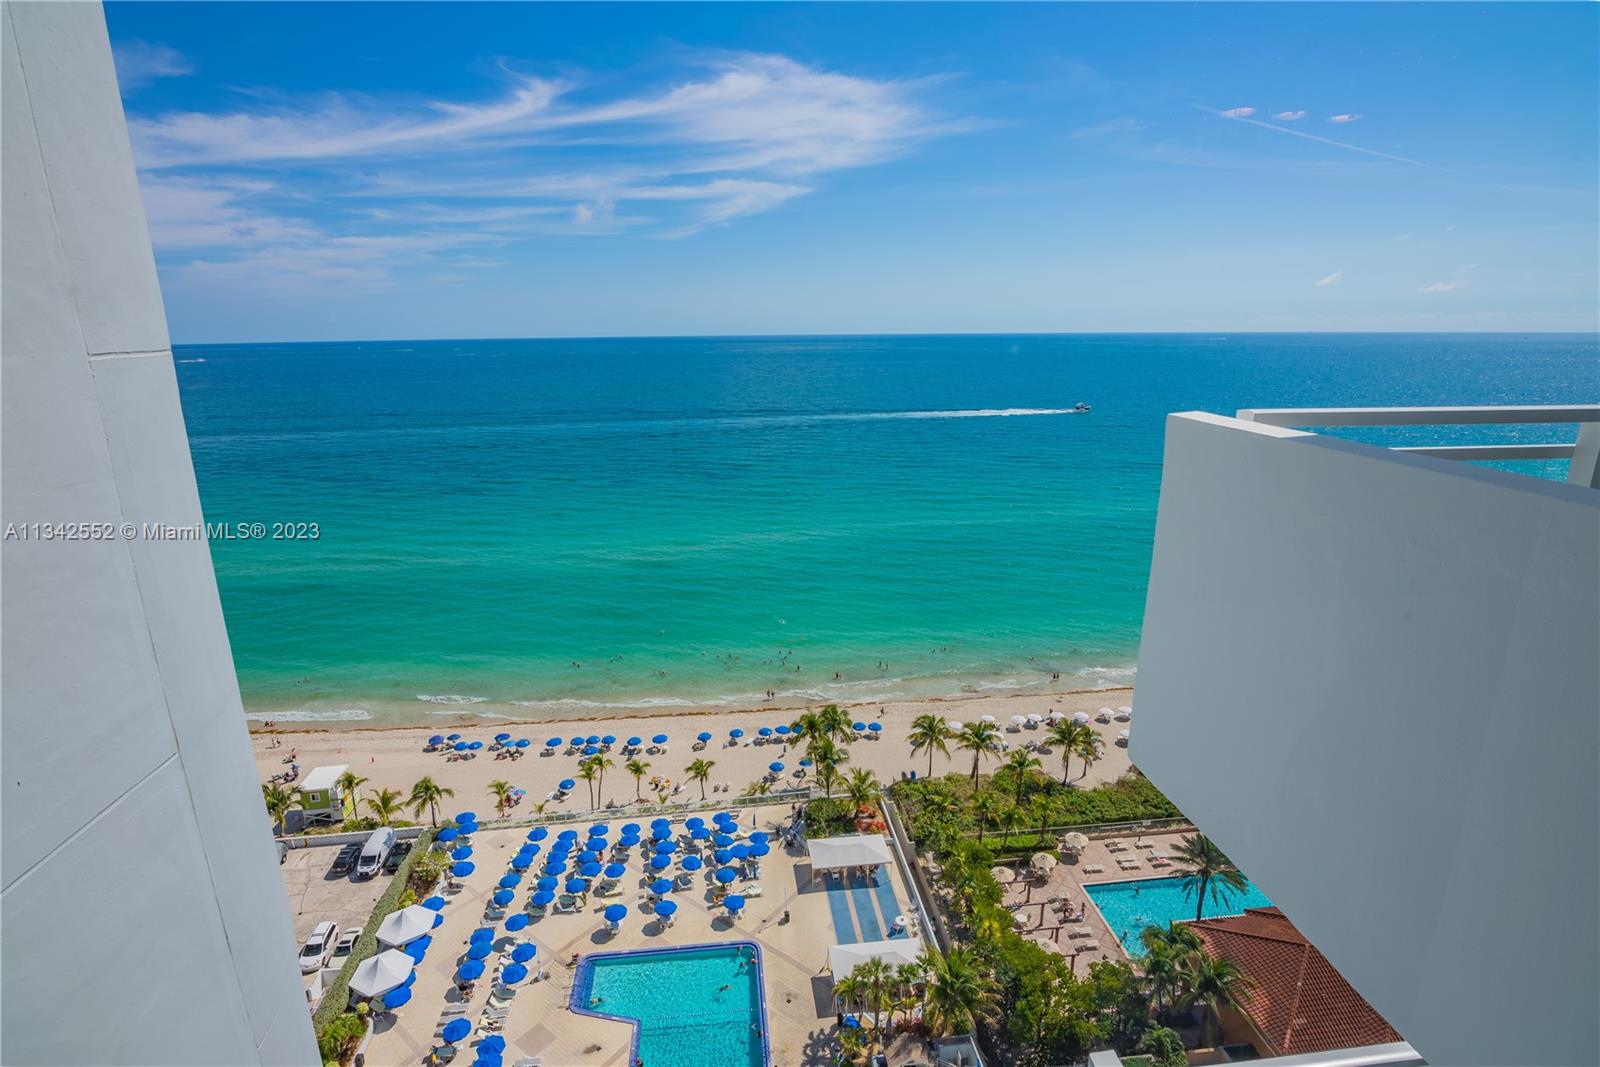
(566, 784)
(660, 862)
(567, 836)
(462, 853)
(852, 1023)
(740, 852)
(475, 745)
(502, 897)
(519, 862)
(694, 821)
(765, 731)
(875, 727)
(447, 835)
(615, 870)
(783, 730)
(616, 913)
(722, 840)
(608, 739)
(396, 997)
(482, 933)
(434, 903)
(659, 739)
(759, 849)
(547, 882)
(666, 848)
(858, 726)
(760, 837)
(456, 1029)
(542, 897)
(805, 763)
(734, 902)
(635, 742)
(723, 816)
(502, 738)
(736, 733)
(628, 841)
(590, 870)
(576, 742)
(436, 739)
(510, 881)
(661, 833)
(470, 971)
(479, 949)
(591, 750)
(726, 875)
(660, 821)
(513, 974)
(555, 866)
(523, 742)
(492, 1043)
(466, 816)
(488, 1059)
(588, 856)
(418, 948)
(704, 735)
(452, 737)
(461, 746)
(691, 863)
(554, 742)
(576, 885)
(524, 952)
(438, 920)
(517, 922)
(467, 828)
(592, 739)
(461, 870)
(661, 886)
(630, 827)
(666, 907)
(723, 856)
(775, 767)
(699, 833)
(538, 833)
(599, 829)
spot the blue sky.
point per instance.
(326, 171)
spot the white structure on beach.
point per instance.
(849, 850)
(142, 916)
(1371, 676)
(320, 796)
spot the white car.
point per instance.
(345, 945)
(314, 953)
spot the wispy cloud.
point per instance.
(140, 62)
(1332, 279)
(1290, 116)
(1460, 281)
(740, 135)
(1344, 118)
(1238, 112)
(1327, 140)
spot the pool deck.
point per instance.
(796, 985)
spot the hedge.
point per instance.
(336, 999)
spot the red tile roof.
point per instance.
(1297, 1000)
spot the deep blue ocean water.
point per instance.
(548, 526)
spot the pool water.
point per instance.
(1128, 907)
(695, 1007)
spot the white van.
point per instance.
(374, 852)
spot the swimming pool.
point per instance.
(1128, 907)
(700, 1006)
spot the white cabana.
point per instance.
(1125, 713)
(405, 925)
(852, 850)
(1081, 718)
(842, 959)
(383, 972)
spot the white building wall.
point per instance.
(1374, 679)
(142, 919)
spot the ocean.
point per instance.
(550, 528)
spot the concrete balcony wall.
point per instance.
(142, 918)
(1374, 679)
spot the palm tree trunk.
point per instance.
(975, 754)
(1066, 759)
(1200, 897)
(930, 761)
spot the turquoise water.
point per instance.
(541, 528)
(686, 1017)
(1128, 907)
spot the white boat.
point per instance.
(1080, 406)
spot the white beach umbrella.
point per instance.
(1122, 735)
(383, 972)
(1074, 842)
(955, 724)
(1057, 715)
(1103, 715)
(1043, 861)
(404, 925)
(988, 718)
(1081, 718)
(1019, 719)
(1003, 875)
(1124, 713)
(1035, 720)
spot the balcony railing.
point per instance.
(1583, 453)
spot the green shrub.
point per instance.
(338, 1040)
(827, 817)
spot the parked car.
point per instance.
(318, 947)
(345, 945)
(283, 851)
(375, 851)
(396, 856)
(345, 861)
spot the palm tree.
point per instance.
(1214, 983)
(979, 738)
(874, 978)
(846, 991)
(835, 722)
(911, 978)
(1204, 865)
(933, 733)
(279, 801)
(500, 789)
(862, 788)
(1166, 950)
(1018, 764)
(589, 772)
(602, 764)
(987, 806)
(637, 767)
(1066, 735)
(1011, 816)
(426, 794)
(959, 992)
(828, 776)
(347, 785)
(1088, 748)
(700, 771)
(384, 805)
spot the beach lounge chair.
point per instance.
(1093, 868)
(566, 905)
(752, 889)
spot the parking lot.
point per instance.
(315, 895)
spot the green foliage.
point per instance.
(830, 817)
(1163, 1047)
(338, 1040)
(337, 997)
(361, 825)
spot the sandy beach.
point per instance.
(394, 757)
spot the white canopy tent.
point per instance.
(842, 959)
(405, 925)
(383, 972)
(851, 850)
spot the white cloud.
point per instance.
(1290, 116)
(1344, 118)
(1238, 112)
(1328, 140)
(1444, 287)
(139, 62)
(1332, 279)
